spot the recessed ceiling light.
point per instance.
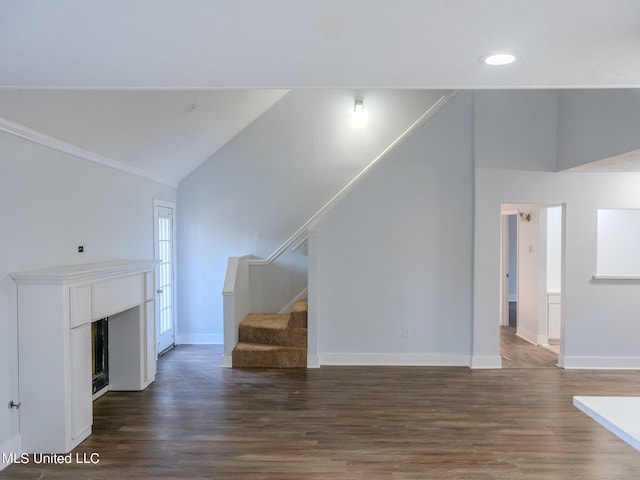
(499, 59)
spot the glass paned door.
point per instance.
(164, 277)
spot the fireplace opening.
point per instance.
(100, 354)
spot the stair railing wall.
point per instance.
(277, 285)
(236, 302)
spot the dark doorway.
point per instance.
(513, 314)
(100, 354)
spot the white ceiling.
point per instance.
(115, 77)
(182, 44)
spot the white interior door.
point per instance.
(164, 252)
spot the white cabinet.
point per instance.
(554, 317)
(55, 310)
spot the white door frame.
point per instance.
(157, 203)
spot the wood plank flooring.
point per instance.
(199, 420)
(518, 353)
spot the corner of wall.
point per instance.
(11, 446)
(486, 362)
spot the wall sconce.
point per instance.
(526, 217)
(358, 106)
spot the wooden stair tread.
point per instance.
(301, 306)
(263, 320)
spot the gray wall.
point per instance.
(397, 252)
(597, 124)
(269, 180)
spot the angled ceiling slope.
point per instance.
(163, 135)
(142, 64)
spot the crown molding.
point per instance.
(64, 147)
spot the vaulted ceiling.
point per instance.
(162, 85)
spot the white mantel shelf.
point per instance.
(56, 307)
(69, 273)
(619, 415)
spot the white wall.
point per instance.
(514, 131)
(513, 257)
(268, 181)
(600, 324)
(531, 275)
(554, 249)
(599, 317)
(397, 252)
(52, 203)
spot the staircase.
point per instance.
(273, 340)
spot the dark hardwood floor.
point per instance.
(200, 421)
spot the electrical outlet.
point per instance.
(406, 331)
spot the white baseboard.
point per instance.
(527, 335)
(200, 339)
(394, 359)
(601, 363)
(12, 445)
(313, 361)
(226, 361)
(486, 361)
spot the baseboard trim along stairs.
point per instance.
(273, 340)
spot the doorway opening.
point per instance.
(530, 286)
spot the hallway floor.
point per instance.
(518, 353)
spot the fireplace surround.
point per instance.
(99, 356)
(56, 308)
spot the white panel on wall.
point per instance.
(618, 242)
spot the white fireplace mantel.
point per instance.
(56, 307)
(91, 271)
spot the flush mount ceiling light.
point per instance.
(358, 106)
(500, 59)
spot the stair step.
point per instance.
(298, 316)
(255, 355)
(271, 330)
(273, 340)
